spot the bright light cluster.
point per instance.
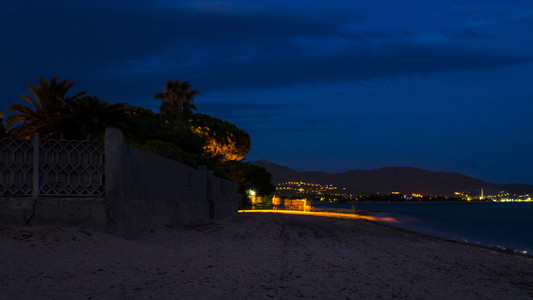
(311, 188)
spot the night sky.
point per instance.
(319, 85)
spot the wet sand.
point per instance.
(256, 256)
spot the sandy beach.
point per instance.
(255, 256)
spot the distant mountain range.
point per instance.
(405, 180)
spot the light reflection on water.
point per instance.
(493, 224)
(322, 213)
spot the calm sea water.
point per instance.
(492, 224)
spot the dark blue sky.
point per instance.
(319, 85)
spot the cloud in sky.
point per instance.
(218, 45)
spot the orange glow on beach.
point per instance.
(325, 214)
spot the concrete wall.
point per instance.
(84, 212)
(223, 197)
(143, 191)
(146, 191)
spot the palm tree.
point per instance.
(176, 97)
(47, 100)
(88, 115)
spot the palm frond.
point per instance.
(14, 119)
(20, 108)
(47, 103)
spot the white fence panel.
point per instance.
(71, 168)
(66, 168)
(16, 167)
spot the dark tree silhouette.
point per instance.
(47, 101)
(176, 97)
(250, 176)
(88, 115)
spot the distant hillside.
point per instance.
(405, 180)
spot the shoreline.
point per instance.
(256, 256)
(470, 231)
(391, 225)
(474, 244)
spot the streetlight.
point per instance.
(251, 195)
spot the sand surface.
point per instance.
(255, 256)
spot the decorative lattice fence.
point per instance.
(51, 168)
(16, 167)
